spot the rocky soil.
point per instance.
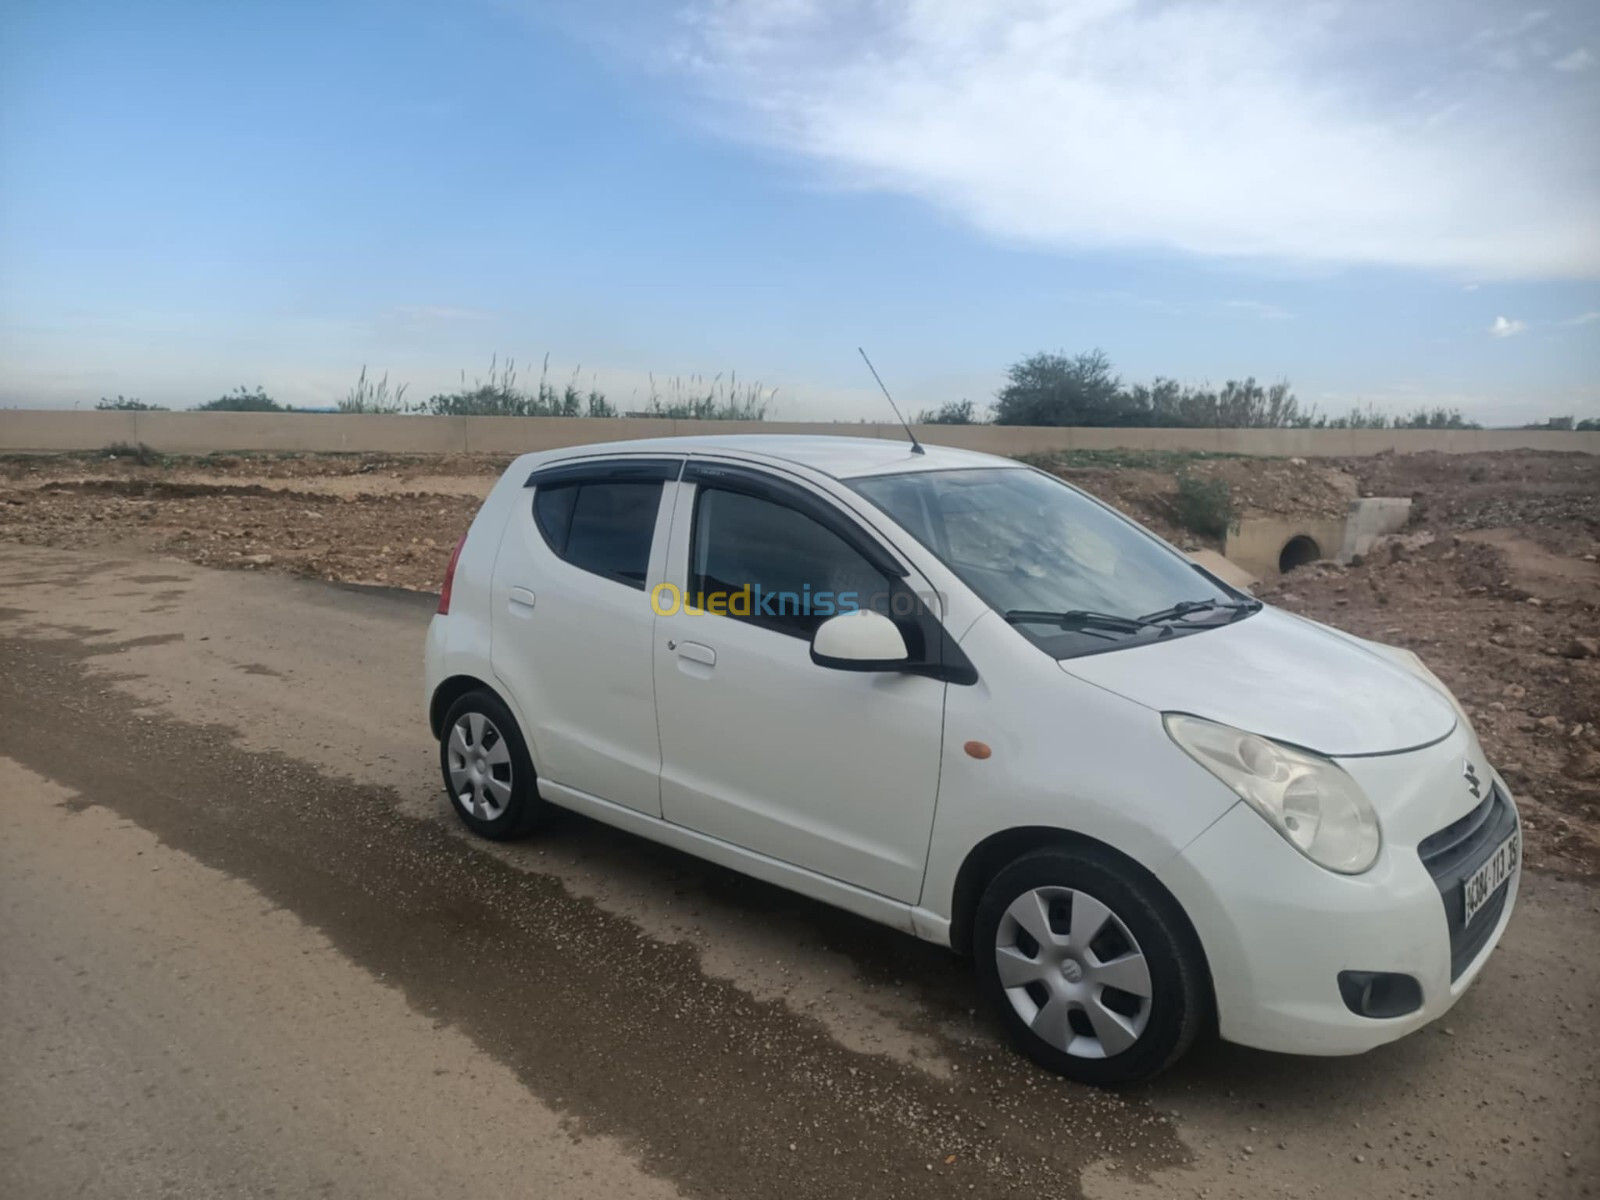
(1495, 584)
(353, 518)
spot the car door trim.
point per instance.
(607, 470)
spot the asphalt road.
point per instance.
(246, 951)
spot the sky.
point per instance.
(1387, 204)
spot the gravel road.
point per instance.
(245, 950)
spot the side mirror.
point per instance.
(862, 640)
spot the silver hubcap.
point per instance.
(1073, 972)
(479, 767)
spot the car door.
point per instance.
(834, 771)
(572, 622)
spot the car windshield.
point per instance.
(1072, 575)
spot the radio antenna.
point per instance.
(916, 446)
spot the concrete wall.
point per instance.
(200, 433)
(1256, 542)
(1370, 519)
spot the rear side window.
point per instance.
(601, 527)
(552, 509)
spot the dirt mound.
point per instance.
(402, 540)
(167, 489)
(1146, 487)
(1288, 487)
(1530, 571)
(1554, 499)
(255, 467)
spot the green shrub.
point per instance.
(1205, 506)
(240, 400)
(500, 396)
(127, 404)
(956, 412)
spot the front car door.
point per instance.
(833, 771)
(572, 622)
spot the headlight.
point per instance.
(1308, 799)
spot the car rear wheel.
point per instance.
(1089, 966)
(487, 770)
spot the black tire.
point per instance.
(523, 811)
(1177, 1008)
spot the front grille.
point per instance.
(1454, 853)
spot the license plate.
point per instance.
(1489, 878)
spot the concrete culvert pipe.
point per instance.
(1297, 552)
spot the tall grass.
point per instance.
(369, 397)
(500, 394)
(694, 399)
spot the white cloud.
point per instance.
(1579, 60)
(1504, 327)
(1588, 318)
(1246, 129)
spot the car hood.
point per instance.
(1283, 677)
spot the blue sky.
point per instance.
(1386, 208)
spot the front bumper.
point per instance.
(1277, 929)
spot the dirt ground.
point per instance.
(1494, 584)
(247, 950)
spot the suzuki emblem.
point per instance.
(1470, 774)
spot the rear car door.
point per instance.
(572, 623)
(834, 771)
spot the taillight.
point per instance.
(450, 577)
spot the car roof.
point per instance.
(840, 457)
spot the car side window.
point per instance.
(599, 526)
(755, 560)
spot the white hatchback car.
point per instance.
(954, 694)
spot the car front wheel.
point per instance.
(1091, 969)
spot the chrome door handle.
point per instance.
(695, 652)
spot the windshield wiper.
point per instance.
(1184, 607)
(1080, 618)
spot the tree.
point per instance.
(1248, 405)
(127, 404)
(1052, 389)
(1166, 403)
(240, 400)
(1436, 418)
(956, 412)
(1356, 418)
